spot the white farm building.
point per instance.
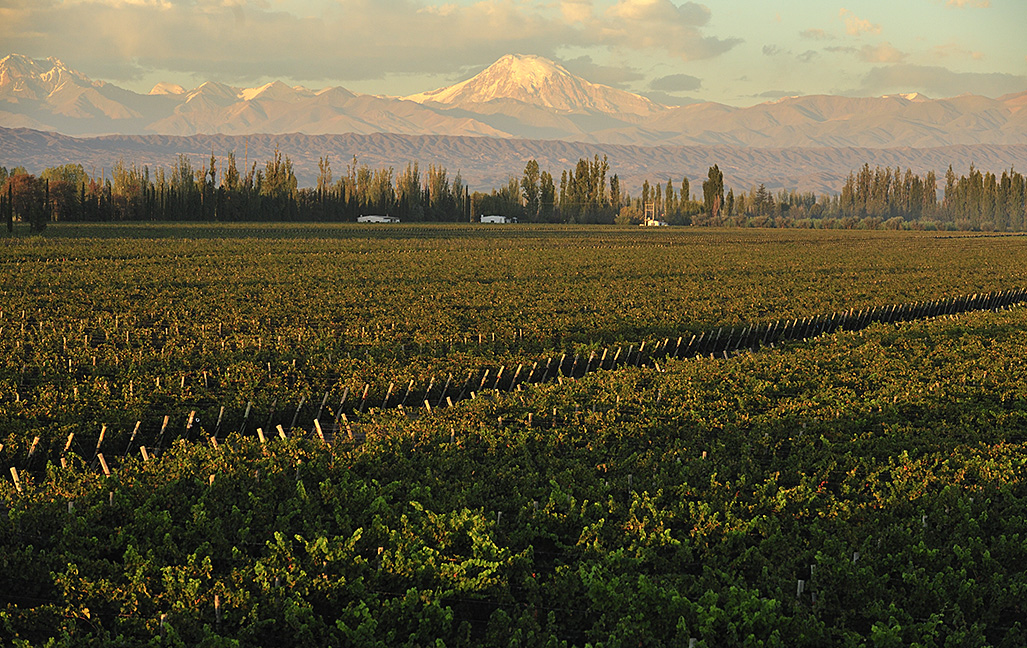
(374, 218)
(497, 219)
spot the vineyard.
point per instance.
(453, 435)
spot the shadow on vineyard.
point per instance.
(337, 414)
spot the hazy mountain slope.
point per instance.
(848, 121)
(487, 162)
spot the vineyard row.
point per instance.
(341, 421)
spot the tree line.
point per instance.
(880, 198)
(587, 193)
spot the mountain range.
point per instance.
(519, 104)
(516, 97)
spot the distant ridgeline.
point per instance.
(219, 191)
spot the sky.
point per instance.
(737, 52)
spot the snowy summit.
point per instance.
(540, 82)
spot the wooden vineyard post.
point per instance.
(445, 391)
(338, 413)
(271, 413)
(321, 407)
(163, 428)
(546, 373)
(99, 441)
(427, 392)
(517, 373)
(142, 451)
(296, 416)
(349, 429)
(14, 475)
(189, 423)
(221, 415)
(281, 431)
(260, 435)
(407, 394)
(388, 394)
(132, 438)
(317, 427)
(246, 417)
(363, 399)
(103, 464)
(463, 390)
(32, 450)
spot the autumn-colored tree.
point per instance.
(28, 196)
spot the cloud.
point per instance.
(952, 50)
(653, 11)
(855, 26)
(772, 50)
(962, 4)
(241, 41)
(661, 25)
(883, 53)
(667, 99)
(614, 76)
(665, 90)
(676, 83)
(576, 10)
(815, 34)
(778, 94)
(939, 81)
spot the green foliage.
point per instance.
(882, 468)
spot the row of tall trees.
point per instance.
(223, 192)
(880, 197)
(587, 193)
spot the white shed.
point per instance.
(375, 218)
(496, 218)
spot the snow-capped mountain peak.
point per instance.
(163, 88)
(21, 76)
(539, 82)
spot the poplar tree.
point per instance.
(547, 197)
(531, 190)
(713, 192)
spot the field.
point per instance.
(862, 487)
